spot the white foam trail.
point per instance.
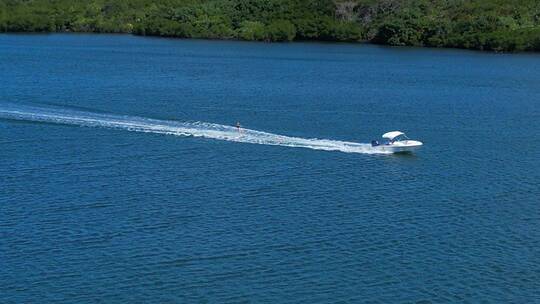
(197, 129)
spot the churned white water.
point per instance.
(196, 129)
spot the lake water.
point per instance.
(121, 180)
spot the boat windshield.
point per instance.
(400, 138)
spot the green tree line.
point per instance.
(497, 25)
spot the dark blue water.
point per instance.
(91, 211)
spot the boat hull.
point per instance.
(407, 146)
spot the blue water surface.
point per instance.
(104, 215)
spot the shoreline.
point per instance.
(363, 42)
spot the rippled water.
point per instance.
(91, 212)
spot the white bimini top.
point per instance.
(392, 135)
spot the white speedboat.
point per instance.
(397, 142)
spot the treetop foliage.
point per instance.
(497, 25)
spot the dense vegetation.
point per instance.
(499, 25)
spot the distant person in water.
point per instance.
(238, 127)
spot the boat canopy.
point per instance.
(392, 135)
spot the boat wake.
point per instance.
(196, 129)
